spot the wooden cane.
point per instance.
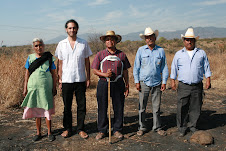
(109, 109)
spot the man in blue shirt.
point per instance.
(189, 63)
(150, 74)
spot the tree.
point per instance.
(95, 43)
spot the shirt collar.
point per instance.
(110, 53)
(195, 49)
(76, 41)
(155, 48)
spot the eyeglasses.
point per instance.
(40, 45)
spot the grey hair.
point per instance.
(37, 39)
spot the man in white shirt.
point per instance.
(74, 76)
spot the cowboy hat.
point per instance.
(189, 34)
(148, 31)
(111, 33)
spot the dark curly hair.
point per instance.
(71, 21)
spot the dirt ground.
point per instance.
(16, 133)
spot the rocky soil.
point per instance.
(16, 133)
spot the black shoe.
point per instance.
(51, 137)
(37, 138)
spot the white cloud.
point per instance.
(114, 15)
(63, 16)
(134, 12)
(110, 17)
(212, 2)
(99, 2)
(65, 2)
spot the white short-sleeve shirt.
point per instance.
(73, 68)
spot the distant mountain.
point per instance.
(55, 40)
(61, 37)
(203, 32)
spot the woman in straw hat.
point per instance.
(111, 64)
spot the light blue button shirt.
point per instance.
(150, 66)
(190, 70)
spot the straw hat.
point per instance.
(148, 31)
(111, 33)
(189, 34)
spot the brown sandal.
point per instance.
(162, 132)
(100, 136)
(140, 133)
(83, 135)
(66, 134)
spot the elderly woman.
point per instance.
(39, 87)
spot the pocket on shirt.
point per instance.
(145, 60)
(158, 62)
(65, 56)
(199, 62)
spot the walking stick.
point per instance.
(109, 109)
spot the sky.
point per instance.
(23, 20)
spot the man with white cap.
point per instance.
(188, 66)
(150, 75)
(111, 64)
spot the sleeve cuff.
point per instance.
(173, 77)
(136, 81)
(208, 74)
(164, 81)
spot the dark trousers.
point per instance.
(117, 94)
(68, 89)
(189, 105)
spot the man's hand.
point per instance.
(87, 83)
(208, 84)
(173, 84)
(126, 93)
(138, 86)
(163, 87)
(108, 74)
(60, 84)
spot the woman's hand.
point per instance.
(26, 77)
(54, 91)
(25, 92)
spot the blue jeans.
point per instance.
(156, 101)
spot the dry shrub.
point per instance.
(12, 78)
(217, 65)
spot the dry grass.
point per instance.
(12, 61)
(12, 78)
